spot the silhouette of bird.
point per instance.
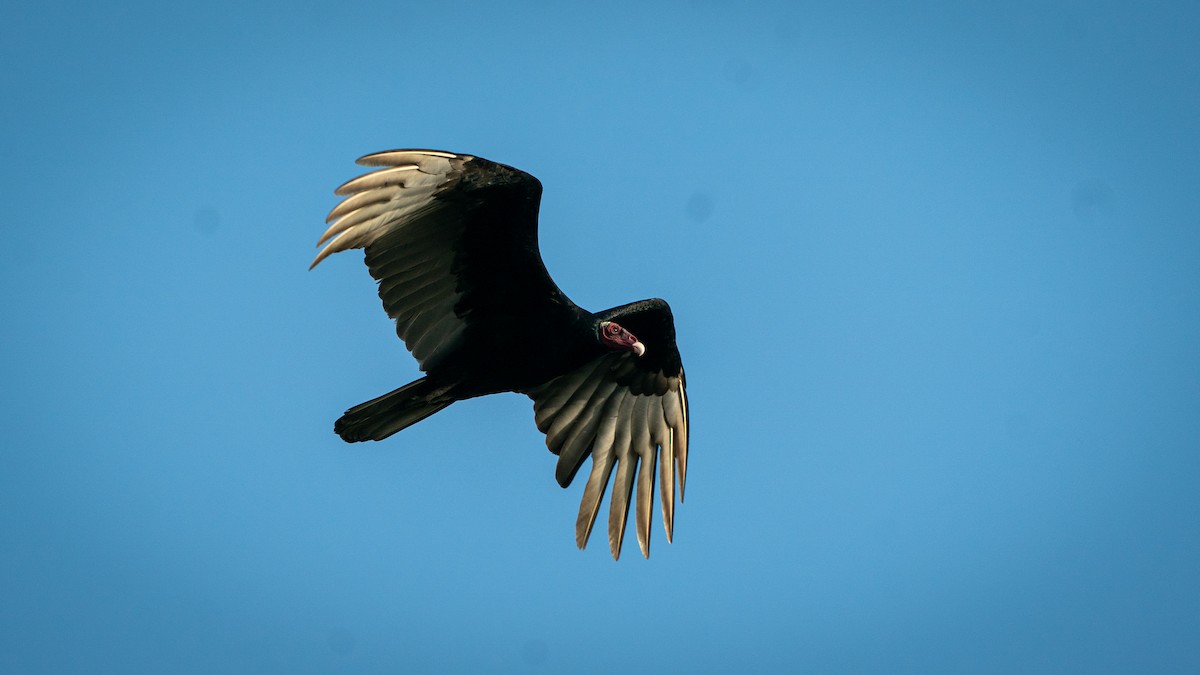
(452, 241)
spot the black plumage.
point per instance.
(452, 241)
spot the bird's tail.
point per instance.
(379, 418)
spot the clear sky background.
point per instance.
(936, 276)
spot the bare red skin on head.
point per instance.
(615, 337)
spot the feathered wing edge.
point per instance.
(377, 201)
(634, 436)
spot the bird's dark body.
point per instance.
(517, 359)
(452, 241)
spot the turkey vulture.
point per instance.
(452, 241)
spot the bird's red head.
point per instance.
(615, 337)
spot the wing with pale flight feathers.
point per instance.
(452, 241)
(630, 415)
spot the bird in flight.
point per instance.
(452, 241)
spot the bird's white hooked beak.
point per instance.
(638, 348)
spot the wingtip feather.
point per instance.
(681, 448)
(647, 452)
(392, 175)
(666, 476)
(618, 514)
(390, 157)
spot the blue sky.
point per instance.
(936, 277)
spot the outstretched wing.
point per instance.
(452, 241)
(630, 415)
